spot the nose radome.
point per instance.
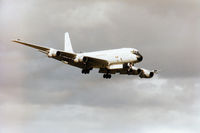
(139, 58)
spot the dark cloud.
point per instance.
(46, 93)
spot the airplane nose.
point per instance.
(139, 58)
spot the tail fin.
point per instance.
(68, 45)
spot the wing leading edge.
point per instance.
(95, 62)
(33, 46)
(60, 55)
(46, 50)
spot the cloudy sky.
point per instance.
(38, 94)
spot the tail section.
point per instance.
(68, 45)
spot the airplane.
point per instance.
(108, 62)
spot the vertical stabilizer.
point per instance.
(68, 45)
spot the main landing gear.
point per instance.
(107, 76)
(86, 71)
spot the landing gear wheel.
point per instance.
(86, 71)
(107, 76)
(83, 71)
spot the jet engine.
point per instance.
(80, 58)
(146, 73)
(134, 70)
(52, 52)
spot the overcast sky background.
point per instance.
(38, 94)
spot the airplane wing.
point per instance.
(119, 70)
(46, 49)
(95, 62)
(143, 73)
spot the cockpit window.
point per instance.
(135, 52)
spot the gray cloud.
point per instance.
(42, 95)
(168, 29)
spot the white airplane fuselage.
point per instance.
(114, 56)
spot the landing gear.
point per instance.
(128, 66)
(85, 71)
(107, 76)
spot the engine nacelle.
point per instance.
(52, 52)
(80, 58)
(146, 73)
(134, 71)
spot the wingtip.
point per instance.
(16, 40)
